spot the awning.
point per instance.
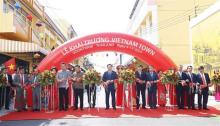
(11, 46)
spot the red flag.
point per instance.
(10, 65)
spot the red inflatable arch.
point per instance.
(118, 42)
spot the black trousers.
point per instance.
(5, 97)
(63, 98)
(203, 98)
(180, 92)
(78, 95)
(152, 96)
(91, 92)
(140, 90)
(108, 90)
(191, 97)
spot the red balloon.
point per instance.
(117, 42)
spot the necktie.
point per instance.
(6, 78)
(190, 75)
(109, 74)
(180, 74)
(151, 75)
(35, 79)
(203, 79)
(22, 80)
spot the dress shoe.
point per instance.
(155, 107)
(205, 108)
(106, 108)
(81, 109)
(24, 109)
(114, 108)
(137, 107)
(75, 108)
(143, 107)
(193, 108)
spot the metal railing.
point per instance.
(36, 38)
(21, 22)
(19, 19)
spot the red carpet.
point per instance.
(160, 112)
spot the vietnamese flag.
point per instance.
(10, 65)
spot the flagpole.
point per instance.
(131, 97)
(127, 94)
(53, 97)
(4, 95)
(1, 94)
(98, 96)
(45, 98)
(123, 100)
(40, 97)
(89, 97)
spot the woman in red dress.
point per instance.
(161, 91)
(119, 88)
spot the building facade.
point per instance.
(166, 23)
(26, 30)
(205, 31)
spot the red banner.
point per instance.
(117, 42)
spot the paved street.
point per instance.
(165, 121)
(170, 121)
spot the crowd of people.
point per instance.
(188, 85)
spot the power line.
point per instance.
(174, 20)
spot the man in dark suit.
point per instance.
(20, 81)
(204, 83)
(140, 86)
(5, 90)
(36, 89)
(152, 79)
(181, 88)
(108, 78)
(191, 88)
(91, 90)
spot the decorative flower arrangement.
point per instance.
(216, 79)
(91, 77)
(47, 78)
(3, 80)
(169, 77)
(127, 76)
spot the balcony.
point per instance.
(13, 25)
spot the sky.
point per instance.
(92, 16)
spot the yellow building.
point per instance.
(205, 31)
(166, 23)
(25, 29)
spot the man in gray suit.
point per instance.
(20, 81)
(36, 89)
